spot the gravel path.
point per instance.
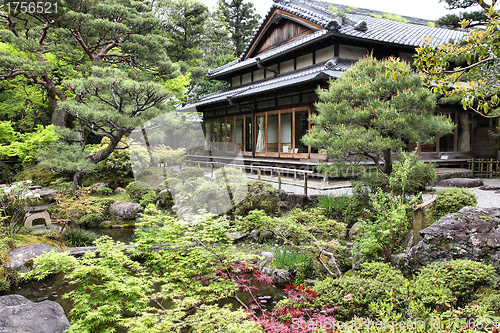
(485, 199)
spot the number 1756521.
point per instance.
(33, 7)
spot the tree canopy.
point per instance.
(475, 18)
(372, 110)
(467, 69)
(49, 48)
(242, 20)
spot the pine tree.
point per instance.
(49, 48)
(371, 110)
(475, 18)
(241, 19)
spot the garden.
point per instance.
(276, 262)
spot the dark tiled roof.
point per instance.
(331, 69)
(378, 29)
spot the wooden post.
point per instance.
(258, 173)
(212, 170)
(279, 179)
(419, 220)
(305, 183)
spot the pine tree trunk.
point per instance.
(387, 161)
(77, 181)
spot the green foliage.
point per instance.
(138, 190)
(260, 195)
(393, 17)
(381, 272)
(339, 291)
(386, 231)
(371, 110)
(24, 146)
(78, 237)
(443, 65)
(289, 257)
(92, 220)
(149, 198)
(109, 288)
(104, 191)
(241, 19)
(451, 200)
(190, 172)
(334, 206)
(117, 167)
(358, 206)
(39, 175)
(462, 277)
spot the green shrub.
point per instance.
(339, 291)
(190, 172)
(385, 232)
(137, 190)
(148, 198)
(381, 272)
(462, 277)
(39, 176)
(104, 191)
(289, 257)
(358, 206)
(260, 195)
(334, 206)
(79, 237)
(409, 176)
(451, 200)
(104, 202)
(91, 220)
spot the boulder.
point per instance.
(354, 230)
(236, 236)
(20, 258)
(119, 190)
(282, 276)
(460, 182)
(489, 188)
(267, 258)
(473, 234)
(125, 210)
(20, 315)
(97, 186)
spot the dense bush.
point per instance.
(352, 294)
(39, 176)
(386, 230)
(288, 257)
(381, 272)
(462, 277)
(104, 191)
(409, 176)
(79, 237)
(334, 206)
(91, 220)
(137, 190)
(451, 200)
(190, 172)
(260, 195)
(117, 167)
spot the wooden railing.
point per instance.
(485, 168)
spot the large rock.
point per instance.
(125, 210)
(20, 315)
(461, 182)
(19, 258)
(472, 233)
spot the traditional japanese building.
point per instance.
(299, 47)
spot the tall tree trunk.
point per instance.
(387, 161)
(77, 181)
